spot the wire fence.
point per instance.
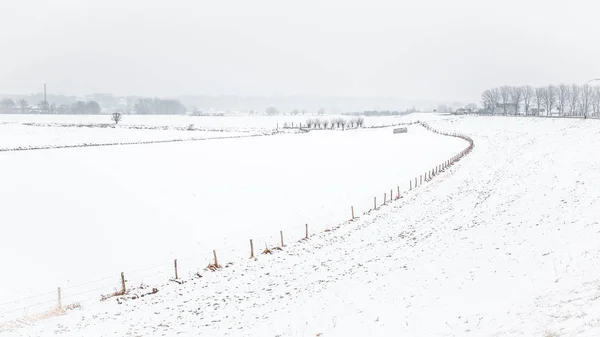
(142, 281)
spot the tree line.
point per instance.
(157, 106)
(142, 106)
(563, 99)
(336, 122)
(9, 106)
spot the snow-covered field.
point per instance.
(100, 211)
(257, 122)
(20, 136)
(505, 243)
(48, 131)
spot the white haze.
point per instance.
(431, 49)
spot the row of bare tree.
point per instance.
(317, 123)
(563, 99)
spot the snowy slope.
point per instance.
(505, 243)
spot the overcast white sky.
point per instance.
(426, 49)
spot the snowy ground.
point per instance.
(47, 131)
(100, 211)
(19, 136)
(505, 243)
(256, 122)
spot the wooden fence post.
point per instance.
(398, 191)
(216, 261)
(176, 275)
(374, 203)
(281, 235)
(251, 249)
(59, 299)
(410, 185)
(415, 182)
(384, 198)
(421, 180)
(123, 289)
(306, 231)
(352, 208)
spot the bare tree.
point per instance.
(496, 97)
(505, 97)
(472, 107)
(78, 108)
(23, 106)
(116, 117)
(7, 105)
(317, 123)
(562, 98)
(491, 99)
(540, 94)
(516, 96)
(360, 122)
(63, 109)
(549, 98)
(43, 106)
(584, 102)
(528, 93)
(92, 107)
(487, 100)
(271, 111)
(596, 100)
(574, 97)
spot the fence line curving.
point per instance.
(135, 283)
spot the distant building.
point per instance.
(507, 108)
